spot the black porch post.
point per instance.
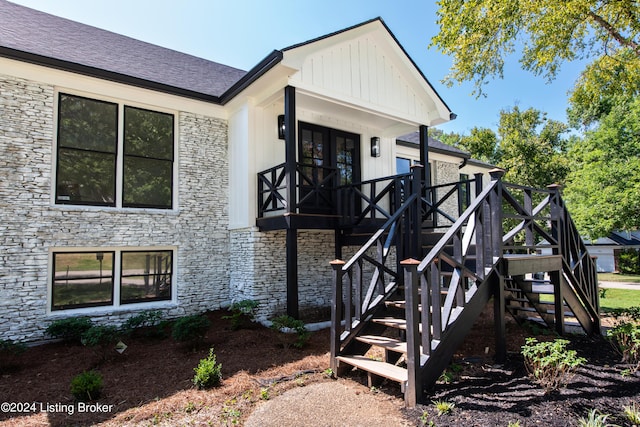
(424, 155)
(290, 178)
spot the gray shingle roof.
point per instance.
(41, 36)
(434, 144)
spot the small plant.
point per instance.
(632, 414)
(549, 363)
(514, 424)
(101, 339)
(602, 293)
(328, 372)
(443, 407)
(149, 321)
(69, 330)
(86, 386)
(190, 407)
(208, 372)
(191, 329)
(264, 393)
(446, 377)
(595, 419)
(287, 323)
(241, 311)
(424, 420)
(230, 414)
(625, 339)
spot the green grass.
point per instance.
(616, 277)
(620, 298)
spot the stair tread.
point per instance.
(376, 367)
(532, 309)
(392, 322)
(385, 342)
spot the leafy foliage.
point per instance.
(443, 407)
(549, 363)
(625, 338)
(86, 386)
(482, 34)
(208, 373)
(241, 310)
(191, 329)
(629, 261)
(531, 148)
(603, 187)
(101, 339)
(70, 329)
(149, 320)
(595, 419)
(284, 323)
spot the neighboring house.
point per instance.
(607, 249)
(135, 177)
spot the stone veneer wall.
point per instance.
(31, 226)
(447, 173)
(258, 269)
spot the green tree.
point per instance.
(532, 148)
(603, 187)
(607, 81)
(482, 34)
(482, 144)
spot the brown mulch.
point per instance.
(151, 384)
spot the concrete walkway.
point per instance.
(619, 285)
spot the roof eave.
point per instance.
(252, 75)
(104, 74)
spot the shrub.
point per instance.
(86, 386)
(101, 339)
(191, 329)
(150, 321)
(69, 330)
(549, 363)
(625, 338)
(9, 351)
(241, 310)
(629, 261)
(287, 323)
(208, 373)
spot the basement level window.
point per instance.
(110, 278)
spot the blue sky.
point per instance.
(240, 33)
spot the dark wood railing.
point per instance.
(464, 265)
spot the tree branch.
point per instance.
(615, 33)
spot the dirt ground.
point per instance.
(151, 384)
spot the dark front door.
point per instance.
(328, 158)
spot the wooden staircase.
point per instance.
(431, 304)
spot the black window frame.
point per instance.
(122, 275)
(110, 303)
(64, 193)
(116, 276)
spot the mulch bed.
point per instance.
(151, 382)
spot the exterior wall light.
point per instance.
(281, 126)
(375, 146)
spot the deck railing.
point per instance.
(502, 219)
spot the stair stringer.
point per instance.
(455, 333)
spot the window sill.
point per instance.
(111, 309)
(88, 208)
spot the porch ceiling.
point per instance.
(331, 110)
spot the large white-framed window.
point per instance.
(111, 277)
(113, 154)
